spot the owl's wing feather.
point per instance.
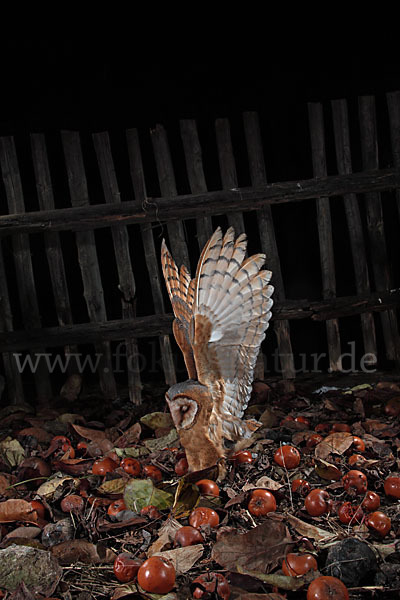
(181, 290)
(231, 311)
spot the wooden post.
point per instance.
(52, 240)
(120, 237)
(197, 180)
(166, 179)
(23, 262)
(151, 256)
(227, 167)
(380, 265)
(354, 224)
(87, 254)
(317, 134)
(268, 240)
(393, 101)
(14, 387)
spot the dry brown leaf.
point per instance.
(336, 443)
(24, 532)
(327, 471)
(17, 510)
(37, 432)
(263, 482)
(130, 437)
(307, 530)
(166, 536)
(83, 551)
(6, 480)
(91, 434)
(184, 558)
(239, 594)
(261, 549)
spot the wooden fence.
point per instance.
(58, 213)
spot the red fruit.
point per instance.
(298, 564)
(392, 487)
(208, 487)
(286, 420)
(101, 466)
(355, 458)
(378, 522)
(153, 473)
(356, 481)
(302, 420)
(157, 575)
(261, 503)
(358, 443)
(188, 536)
(39, 507)
(150, 511)
(181, 467)
(126, 567)
(371, 501)
(350, 514)
(242, 457)
(337, 427)
(327, 588)
(212, 585)
(313, 440)
(300, 486)
(287, 456)
(317, 502)
(116, 507)
(322, 428)
(60, 440)
(72, 503)
(392, 407)
(131, 466)
(82, 448)
(203, 516)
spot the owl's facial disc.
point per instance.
(183, 411)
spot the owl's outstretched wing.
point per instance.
(231, 311)
(181, 289)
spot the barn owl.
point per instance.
(221, 316)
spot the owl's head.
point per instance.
(182, 399)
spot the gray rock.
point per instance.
(38, 569)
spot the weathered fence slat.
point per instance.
(52, 242)
(227, 168)
(195, 171)
(13, 377)
(120, 237)
(87, 255)
(317, 135)
(354, 223)
(166, 178)
(22, 259)
(189, 206)
(151, 256)
(393, 102)
(376, 231)
(161, 324)
(268, 240)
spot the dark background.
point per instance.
(104, 80)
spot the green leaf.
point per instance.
(131, 452)
(113, 486)
(162, 442)
(12, 452)
(142, 492)
(186, 497)
(156, 420)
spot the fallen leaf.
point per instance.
(131, 452)
(113, 486)
(336, 443)
(307, 530)
(17, 510)
(163, 442)
(239, 594)
(166, 536)
(282, 581)
(156, 420)
(142, 492)
(23, 532)
(260, 549)
(16, 567)
(130, 437)
(83, 551)
(327, 471)
(11, 452)
(184, 558)
(49, 487)
(91, 434)
(263, 482)
(6, 480)
(37, 432)
(186, 497)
